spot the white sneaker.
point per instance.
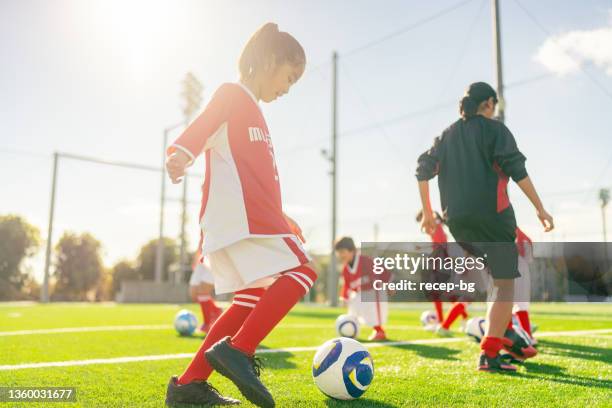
(442, 332)
(431, 327)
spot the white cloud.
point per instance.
(564, 53)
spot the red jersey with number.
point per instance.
(241, 195)
(360, 275)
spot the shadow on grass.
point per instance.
(270, 360)
(361, 402)
(275, 361)
(576, 351)
(196, 336)
(549, 372)
(427, 351)
(553, 373)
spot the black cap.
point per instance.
(480, 92)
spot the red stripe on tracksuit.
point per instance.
(503, 201)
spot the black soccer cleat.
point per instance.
(196, 393)
(494, 364)
(517, 346)
(242, 369)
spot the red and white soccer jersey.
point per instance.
(365, 303)
(241, 195)
(245, 234)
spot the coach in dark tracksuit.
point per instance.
(474, 159)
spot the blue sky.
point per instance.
(102, 78)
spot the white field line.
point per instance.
(118, 360)
(85, 329)
(159, 327)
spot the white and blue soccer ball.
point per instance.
(515, 322)
(343, 369)
(476, 328)
(429, 318)
(347, 326)
(185, 322)
(522, 334)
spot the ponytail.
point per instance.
(268, 45)
(468, 107)
(477, 93)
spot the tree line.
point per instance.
(77, 270)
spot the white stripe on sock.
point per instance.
(298, 280)
(303, 275)
(245, 304)
(244, 296)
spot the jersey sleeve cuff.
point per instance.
(175, 147)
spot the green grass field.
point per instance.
(572, 369)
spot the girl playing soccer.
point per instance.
(473, 159)
(253, 247)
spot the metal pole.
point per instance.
(183, 253)
(44, 294)
(604, 196)
(501, 106)
(333, 273)
(159, 256)
(603, 217)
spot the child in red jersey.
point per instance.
(459, 309)
(365, 303)
(254, 248)
(439, 240)
(201, 287)
(474, 159)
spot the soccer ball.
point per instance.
(347, 326)
(185, 322)
(523, 334)
(476, 328)
(343, 369)
(429, 318)
(515, 322)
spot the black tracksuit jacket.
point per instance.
(473, 160)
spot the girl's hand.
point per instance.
(295, 228)
(428, 224)
(546, 219)
(175, 166)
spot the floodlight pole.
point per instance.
(160, 253)
(332, 281)
(183, 252)
(192, 92)
(604, 196)
(501, 106)
(44, 293)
